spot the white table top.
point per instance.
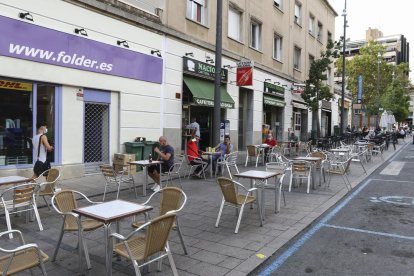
(112, 210)
(257, 174)
(145, 162)
(211, 153)
(339, 150)
(14, 179)
(307, 158)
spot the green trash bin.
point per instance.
(149, 148)
(136, 148)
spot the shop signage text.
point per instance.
(274, 89)
(202, 69)
(211, 103)
(15, 85)
(27, 41)
(244, 76)
(245, 63)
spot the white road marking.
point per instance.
(392, 180)
(393, 168)
(391, 235)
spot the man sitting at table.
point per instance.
(223, 148)
(166, 154)
(294, 141)
(193, 155)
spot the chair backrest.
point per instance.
(231, 158)
(300, 167)
(251, 150)
(19, 196)
(108, 172)
(275, 167)
(51, 180)
(320, 155)
(65, 201)
(171, 199)
(228, 189)
(347, 164)
(157, 234)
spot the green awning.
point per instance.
(203, 93)
(269, 100)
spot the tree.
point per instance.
(315, 86)
(377, 90)
(365, 64)
(396, 98)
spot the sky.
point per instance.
(390, 17)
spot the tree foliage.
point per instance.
(316, 88)
(377, 87)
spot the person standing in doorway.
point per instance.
(40, 139)
(195, 127)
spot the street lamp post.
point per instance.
(343, 74)
(378, 84)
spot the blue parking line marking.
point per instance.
(292, 249)
(370, 232)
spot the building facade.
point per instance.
(101, 73)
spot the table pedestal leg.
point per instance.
(108, 249)
(144, 186)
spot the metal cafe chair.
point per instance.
(138, 248)
(232, 198)
(25, 256)
(20, 198)
(172, 199)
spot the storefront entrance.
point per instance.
(23, 105)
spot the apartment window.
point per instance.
(235, 23)
(278, 3)
(298, 13)
(296, 58)
(311, 24)
(256, 35)
(311, 59)
(329, 35)
(277, 47)
(197, 10)
(319, 31)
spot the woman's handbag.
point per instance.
(39, 166)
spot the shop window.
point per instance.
(22, 105)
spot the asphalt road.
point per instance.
(370, 232)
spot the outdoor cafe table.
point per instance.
(13, 180)
(210, 158)
(262, 150)
(261, 176)
(313, 160)
(109, 212)
(145, 164)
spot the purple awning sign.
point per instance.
(27, 41)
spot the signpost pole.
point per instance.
(217, 79)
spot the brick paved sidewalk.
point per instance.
(211, 250)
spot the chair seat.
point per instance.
(46, 193)
(136, 245)
(22, 260)
(241, 198)
(138, 224)
(87, 225)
